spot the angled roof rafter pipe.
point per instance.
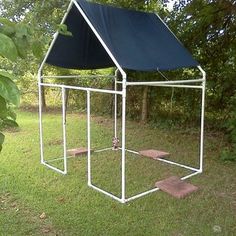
(203, 72)
(54, 39)
(168, 28)
(124, 76)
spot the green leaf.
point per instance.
(22, 46)
(37, 49)
(7, 27)
(62, 29)
(12, 114)
(7, 22)
(2, 137)
(10, 123)
(9, 90)
(21, 31)
(7, 30)
(7, 48)
(7, 75)
(3, 108)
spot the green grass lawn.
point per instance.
(28, 189)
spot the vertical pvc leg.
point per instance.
(123, 140)
(88, 138)
(64, 129)
(115, 107)
(40, 120)
(202, 124)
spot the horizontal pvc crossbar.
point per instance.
(80, 88)
(190, 175)
(165, 82)
(156, 189)
(166, 161)
(54, 168)
(131, 151)
(104, 149)
(178, 86)
(169, 85)
(142, 194)
(106, 193)
(58, 159)
(76, 76)
(177, 164)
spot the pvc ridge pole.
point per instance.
(123, 139)
(99, 38)
(64, 129)
(88, 138)
(202, 117)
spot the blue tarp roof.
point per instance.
(138, 41)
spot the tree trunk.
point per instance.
(67, 91)
(44, 105)
(144, 114)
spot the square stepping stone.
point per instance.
(176, 187)
(77, 151)
(155, 154)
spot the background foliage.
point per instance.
(206, 27)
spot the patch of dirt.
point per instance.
(102, 120)
(55, 142)
(42, 223)
(11, 129)
(231, 197)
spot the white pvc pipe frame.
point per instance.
(176, 83)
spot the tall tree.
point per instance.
(209, 27)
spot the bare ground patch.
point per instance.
(40, 222)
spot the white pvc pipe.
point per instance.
(88, 138)
(106, 193)
(64, 128)
(142, 194)
(168, 28)
(104, 149)
(99, 38)
(165, 82)
(202, 118)
(115, 106)
(131, 151)
(40, 88)
(81, 88)
(55, 37)
(58, 159)
(40, 120)
(76, 76)
(177, 164)
(54, 168)
(190, 175)
(123, 139)
(178, 86)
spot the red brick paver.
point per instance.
(155, 154)
(176, 187)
